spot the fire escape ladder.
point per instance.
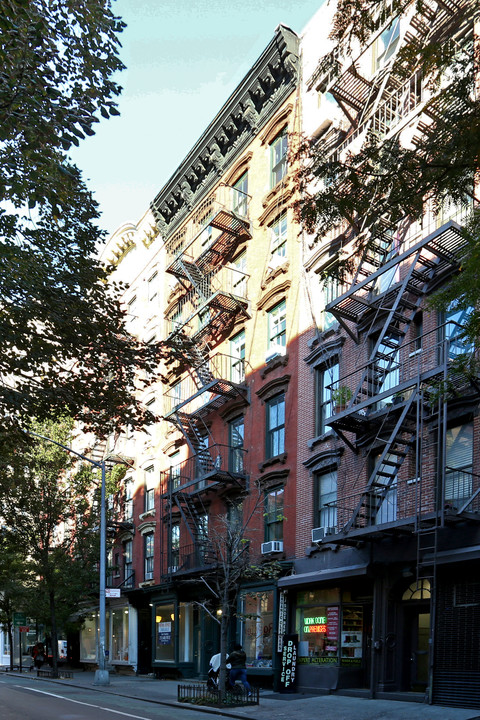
(395, 450)
(194, 431)
(190, 514)
(383, 360)
(197, 278)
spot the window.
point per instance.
(149, 489)
(331, 290)
(128, 502)
(174, 555)
(454, 321)
(258, 627)
(384, 506)
(165, 632)
(274, 514)
(277, 326)
(326, 496)
(278, 237)
(237, 355)
(240, 277)
(175, 470)
(324, 378)
(417, 333)
(202, 554)
(459, 463)
(275, 426)
(387, 43)
(278, 157)
(236, 431)
(148, 553)
(152, 287)
(127, 564)
(240, 197)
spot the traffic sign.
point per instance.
(23, 628)
(19, 619)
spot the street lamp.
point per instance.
(102, 676)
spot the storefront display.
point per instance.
(257, 628)
(165, 632)
(317, 625)
(352, 635)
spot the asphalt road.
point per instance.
(23, 699)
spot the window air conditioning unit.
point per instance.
(272, 546)
(172, 569)
(275, 351)
(318, 534)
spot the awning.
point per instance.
(321, 575)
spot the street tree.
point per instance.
(228, 548)
(397, 174)
(14, 584)
(64, 343)
(50, 513)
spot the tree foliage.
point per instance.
(49, 513)
(395, 176)
(64, 344)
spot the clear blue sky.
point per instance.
(183, 58)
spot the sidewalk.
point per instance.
(272, 705)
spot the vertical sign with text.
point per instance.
(288, 670)
(282, 619)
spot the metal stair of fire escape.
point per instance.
(395, 449)
(396, 307)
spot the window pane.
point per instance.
(278, 154)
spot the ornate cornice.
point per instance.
(250, 107)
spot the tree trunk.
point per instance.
(10, 640)
(54, 636)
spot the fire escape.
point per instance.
(386, 402)
(210, 296)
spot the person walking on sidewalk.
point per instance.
(237, 660)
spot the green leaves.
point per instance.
(64, 343)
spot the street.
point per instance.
(23, 699)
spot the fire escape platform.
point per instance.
(351, 88)
(232, 230)
(403, 527)
(219, 387)
(441, 246)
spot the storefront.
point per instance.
(256, 613)
(120, 636)
(333, 622)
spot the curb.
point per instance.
(167, 703)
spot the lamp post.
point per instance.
(102, 676)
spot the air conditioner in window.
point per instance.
(318, 534)
(272, 546)
(171, 569)
(275, 351)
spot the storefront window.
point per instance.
(88, 642)
(185, 620)
(318, 625)
(352, 635)
(120, 634)
(165, 632)
(257, 628)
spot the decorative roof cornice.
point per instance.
(266, 86)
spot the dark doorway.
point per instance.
(144, 641)
(416, 647)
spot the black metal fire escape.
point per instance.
(383, 319)
(213, 297)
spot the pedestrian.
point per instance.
(237, 660)
(38, 655)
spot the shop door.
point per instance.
(144, 641)
(417, 629)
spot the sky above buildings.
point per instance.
(183, 58)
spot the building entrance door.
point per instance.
(417, 631)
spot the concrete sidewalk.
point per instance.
(272, 705)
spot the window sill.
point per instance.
(147, 513)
